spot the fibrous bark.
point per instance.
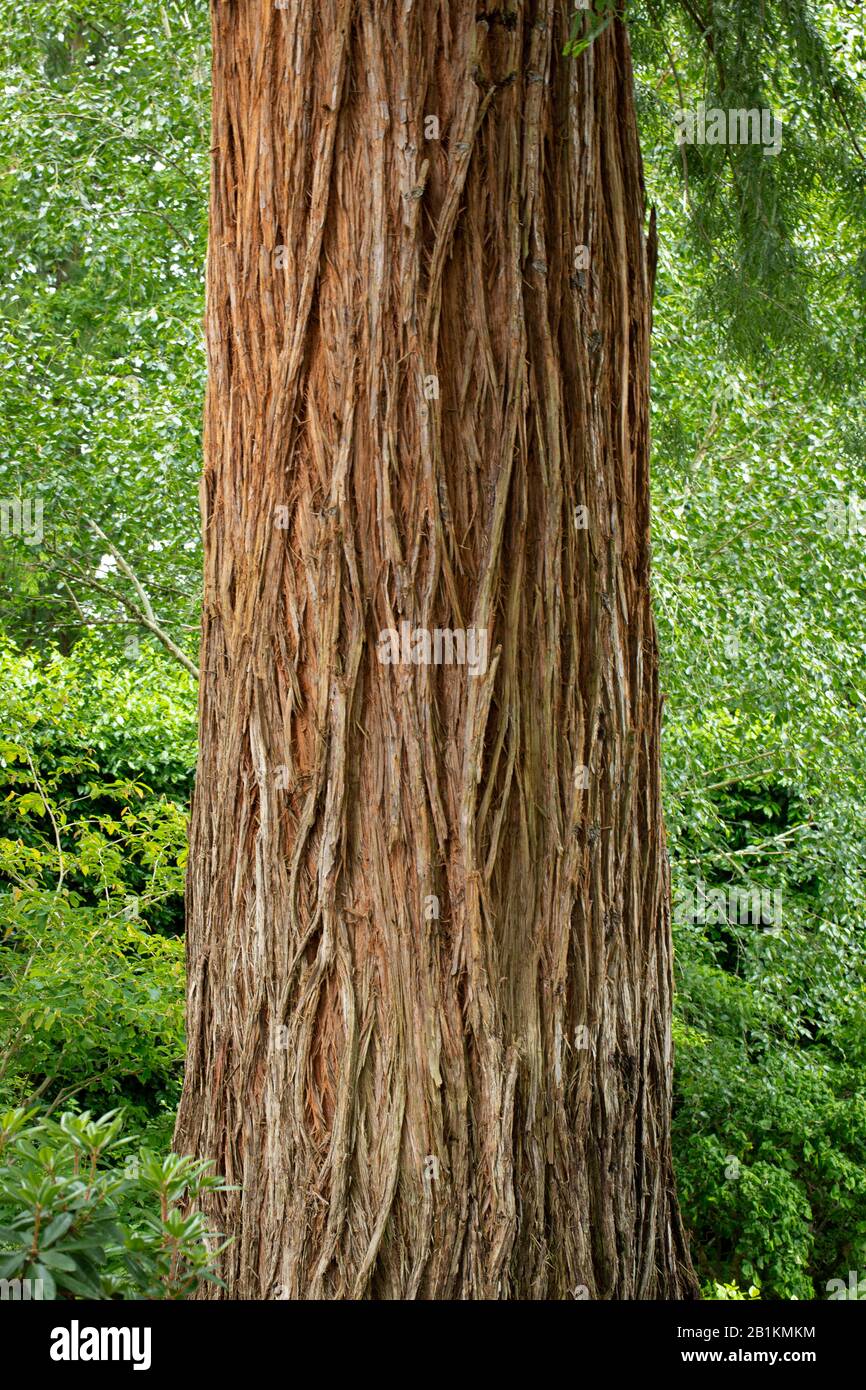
(428, 938)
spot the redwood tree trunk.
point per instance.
(429, 943)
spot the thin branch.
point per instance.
(48, 807)
(143, 610)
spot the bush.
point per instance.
(92, 857)
(90, 1005)
(79, 1218)
(770, 1112)
(96, 765)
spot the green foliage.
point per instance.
(770, 1114)
(779, 240)
(92, 857)
(133, 719)
(104, 114)
(758, 449)
(82, 1215)
(95, 770)
(90, 1005)
(726, 1292)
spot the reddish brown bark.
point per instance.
(474, 1104)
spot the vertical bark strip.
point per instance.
(429, 956)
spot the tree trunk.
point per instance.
(429, 936)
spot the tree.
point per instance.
(428, 926)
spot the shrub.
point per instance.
(80, 1218)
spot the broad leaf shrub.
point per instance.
(96, 766)
(729, 1292)
(91, 1006)
(92, 858)
(83, 1217)
(770, 1114)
